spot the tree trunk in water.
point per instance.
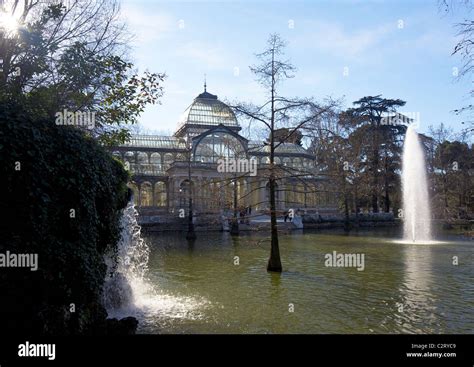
(274, 263)
(191, 235)
(234, 228)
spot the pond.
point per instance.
(219, 284)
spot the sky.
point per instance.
(341, 49)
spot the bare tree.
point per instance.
(335, 155)
(464, 48)
(276, 112)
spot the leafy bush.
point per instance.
(62, 172)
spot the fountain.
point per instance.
(130, 266)
(416, 206)
(128, 291)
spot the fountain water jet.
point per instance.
(130, 266)
(129, 292)
(416, 206)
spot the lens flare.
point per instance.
(9, 23)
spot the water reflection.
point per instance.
(191, 243)
(417, 298)
(212, 293)
(275, 284)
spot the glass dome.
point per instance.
(205, 112)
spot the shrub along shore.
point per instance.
(62, 196)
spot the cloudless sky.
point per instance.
(400, 49)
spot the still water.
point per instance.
(219, 285)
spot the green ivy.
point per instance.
(61, 169)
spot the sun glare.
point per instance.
(8, 22)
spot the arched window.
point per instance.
(218, 145)
(142, 160)
(146, 194)
(160, 194)
(265, 160)
(130, 157)
(286, 162)
(155, 161)
(277, 160)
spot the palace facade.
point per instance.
(168, 170)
